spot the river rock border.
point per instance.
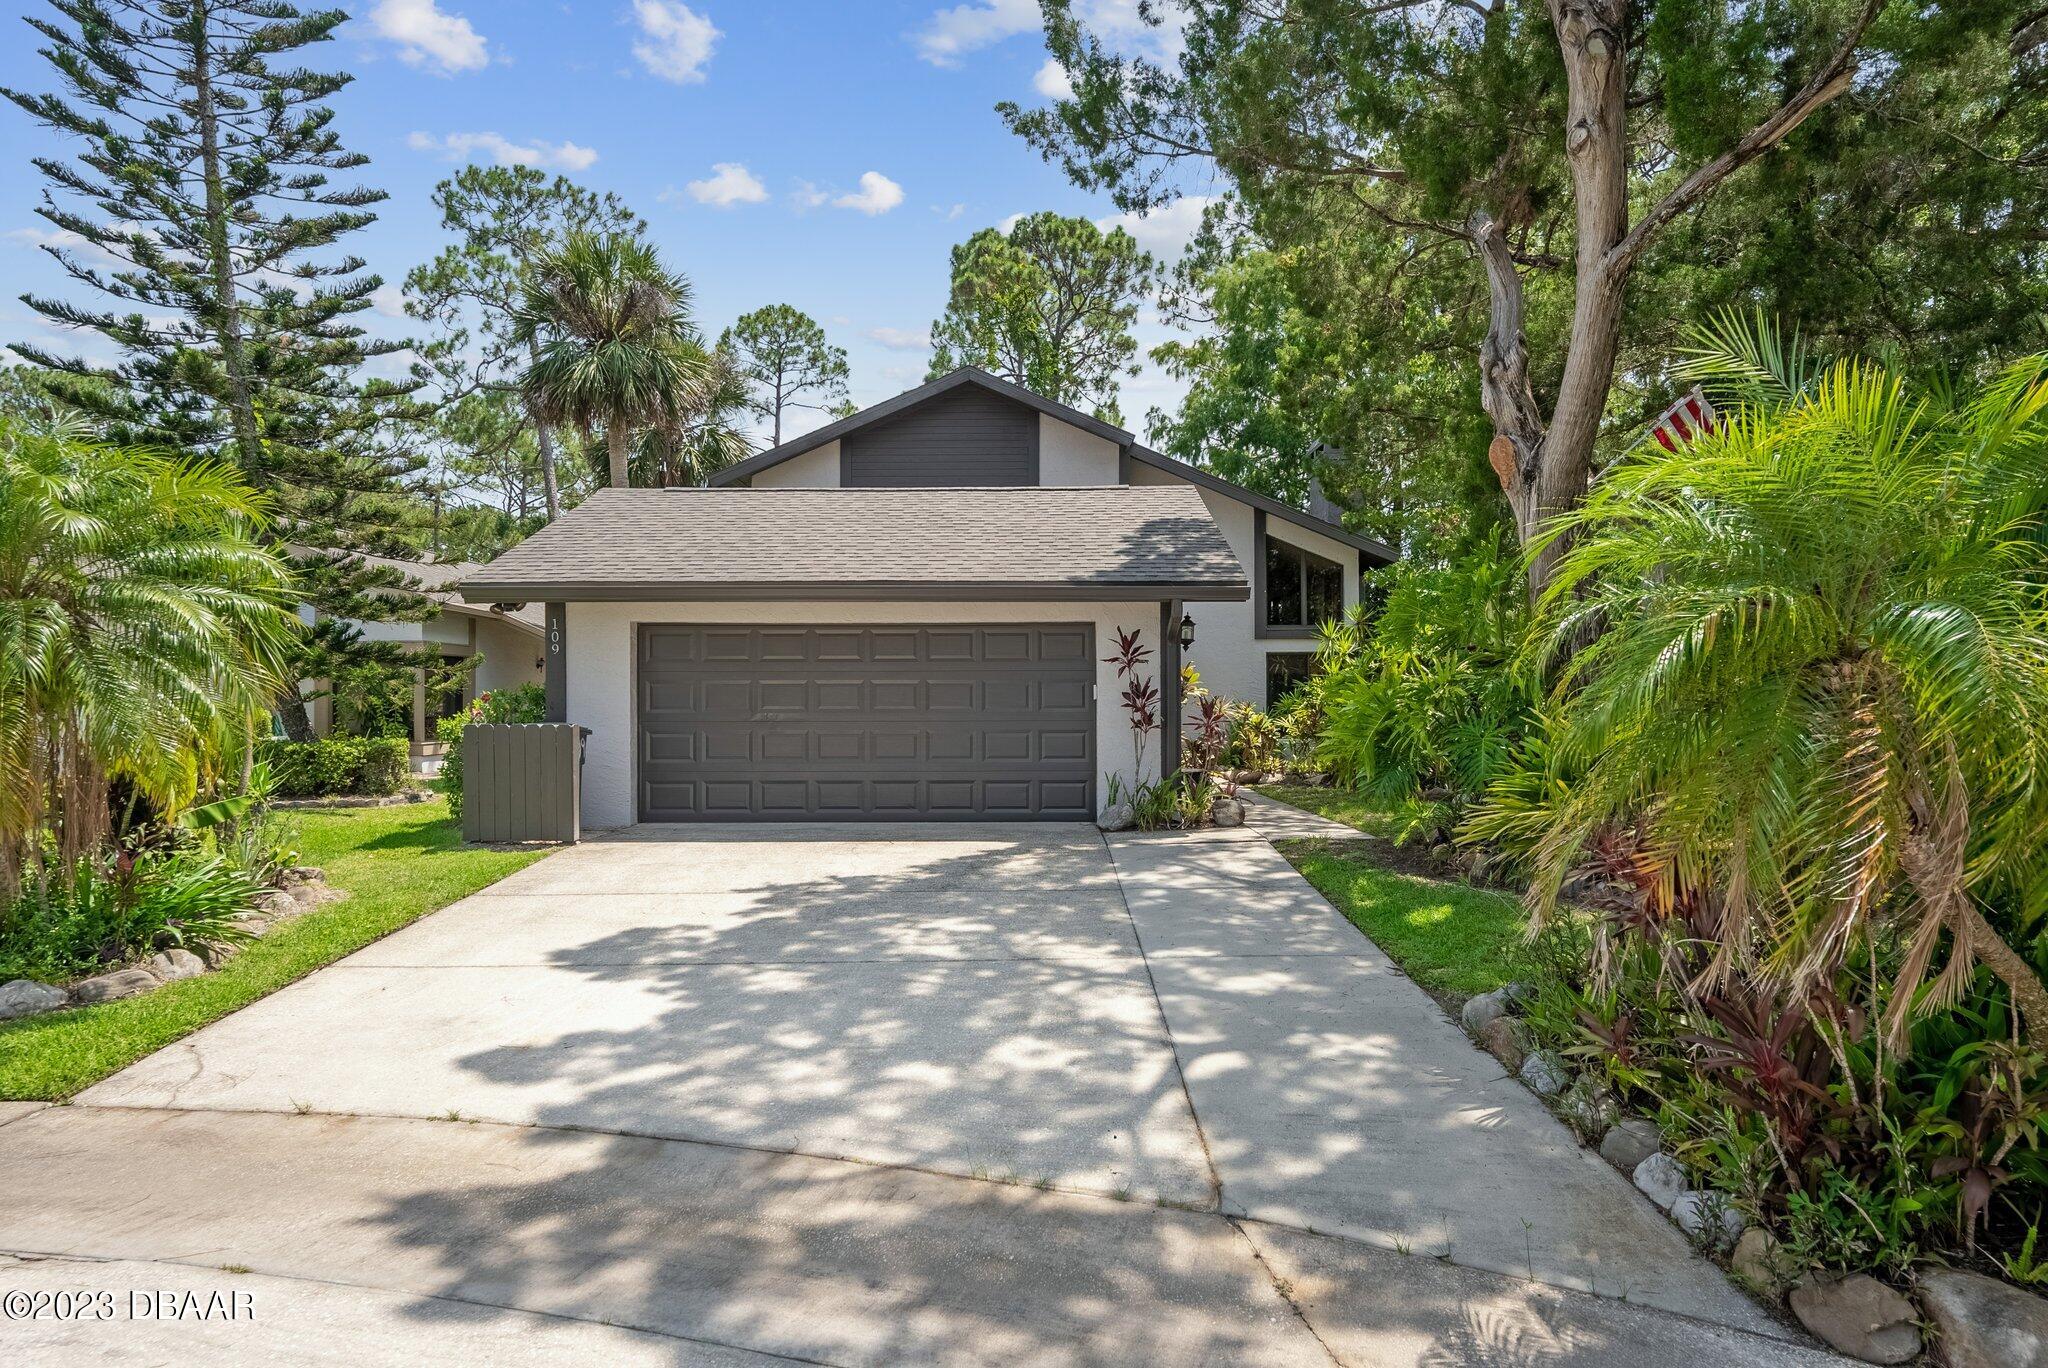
(299, 890)
(1980, 1322)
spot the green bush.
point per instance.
(98, 913)
(527, 703)
(337, 765)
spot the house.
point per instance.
(506, 641)
(905, 614)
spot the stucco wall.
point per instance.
(511, 656)
(600, 655)
(817, 468)
(1232, 661)
(1069, 456)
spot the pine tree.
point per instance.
(201, 214)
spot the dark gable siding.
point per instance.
(966, 436)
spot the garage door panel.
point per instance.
(857, 723)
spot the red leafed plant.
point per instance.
(1140, 696)
(1776, 1065)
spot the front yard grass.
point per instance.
(1453, 939)
(397, 863)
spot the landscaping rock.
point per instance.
(1707, 1217)
(1545, 1073)
(1858, 1316)
(1485, 1008)
(122, 983)
(1515, 994)
(1506, 1040)
(1589, 1108)
(26, 997)
(1758, 1261)
(1117, 817)
(174, 964)
(1984, 1323)
(308, 896)
(274, 903)
(292, 874)
(1628, 1143)
(217, 953)
(1660, 1179)
(1227, 812)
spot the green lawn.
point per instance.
(397, 864)
(1339, 805)
(1452, 938)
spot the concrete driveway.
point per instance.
(1012, 1094)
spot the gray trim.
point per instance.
(1372, 546)
(1169, 690)
(1003, 591)
(965, 375)
(555, 657)
(1261, 629)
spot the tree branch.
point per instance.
(1827, 84)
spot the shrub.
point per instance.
(527, 703)
(337, 765)
(96, 914)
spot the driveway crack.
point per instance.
(1180, 1072)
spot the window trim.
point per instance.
(1266, 661)
(1263, 631)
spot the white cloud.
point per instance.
(389, 300)
(950, 33)
(1165, 231)
(808, 196)
(877, 194)
(729, 183)
(562, 156)
(1053, 82)
(428, 37)
(949, 212)
(1007, 224)
(675, 41)
(901, 339)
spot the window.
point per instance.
(1302, 590)
(1286, 671)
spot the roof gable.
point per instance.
(909, 399)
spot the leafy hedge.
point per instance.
(337, 765)
(527, 703)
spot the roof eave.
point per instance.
(1372, 546)
(895, 591)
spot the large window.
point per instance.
(1286, 671)
(1303, 590)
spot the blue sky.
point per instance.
(825, 155)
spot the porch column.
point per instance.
(1169, 687)
(555, 669)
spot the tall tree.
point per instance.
(613, 344)
(201, 207)
(503, 217)
(1048, 305)
(1565, 142)
(782, 353)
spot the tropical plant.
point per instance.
(141, 628)
(612, 342)
(1140, 697)
(1817, 684)
(90, 914)
(526, 703)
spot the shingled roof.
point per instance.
(1106, 542)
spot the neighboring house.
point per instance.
(905, 614)
(508, 644)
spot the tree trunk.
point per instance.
(544, 441)
(290, 709)
(2008, 964)
(615, 452)
(220, 264)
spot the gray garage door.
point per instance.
(866, 723)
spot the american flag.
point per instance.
(1683, 421)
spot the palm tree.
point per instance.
(1819, 689)
(612, 345)
(141, 624)
(696, 445)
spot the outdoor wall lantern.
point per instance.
(1187, 631)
